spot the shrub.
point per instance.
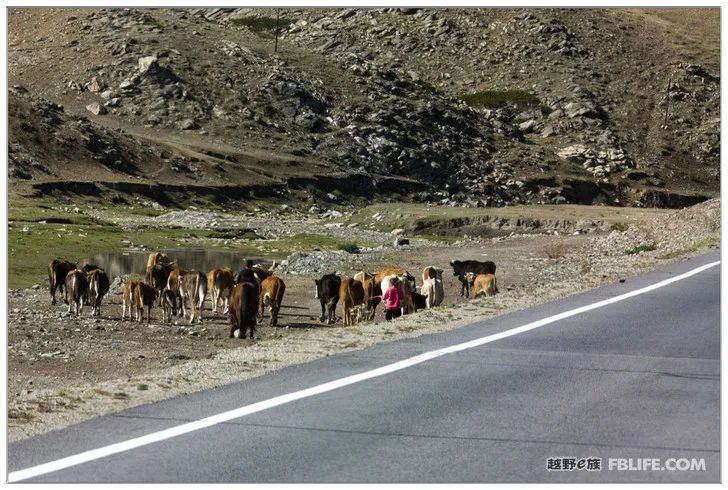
(349, 247)
(555, 250)
(499, 98)
(641, 248)
(619, 226)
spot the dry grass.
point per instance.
(555, 250)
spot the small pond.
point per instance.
(118, 263)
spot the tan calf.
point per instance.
(271, 295)
(484, 284)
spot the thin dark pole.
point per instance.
(278, 16)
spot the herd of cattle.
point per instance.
(178, 291)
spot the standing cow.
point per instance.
(77, 288)
(432, 287)
(243, 310)
(461, 268)
(194, 286)
(58, 269)
(327, 292)
(98, 286)
(220, 285)
(271, 295)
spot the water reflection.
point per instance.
(118, 263)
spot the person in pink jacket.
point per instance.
(392, 298)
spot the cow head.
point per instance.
(470, 278)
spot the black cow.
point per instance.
(327, 292)
(462, 267)
(157, 277)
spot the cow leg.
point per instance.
(149, 312)
(273, 310)
(323, 311)
(53, 294)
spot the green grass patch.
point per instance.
(33, 244)
(619, 226)
(640, 248)
(263, 26)
(20, 416)
(492, 99)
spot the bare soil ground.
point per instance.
(63, 370)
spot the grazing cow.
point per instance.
(351, 294)
(483, 284)
(194, 287)
(419, 300)
(220, 285)
(271, 295)
(174, 282)
(77, 287)
(143, 295)
(243, 309)
(460, 268)
(327, 292)
(98, 286)
(169, 305)
(58, 269)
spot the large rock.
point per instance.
(147, 63)
(96, 109)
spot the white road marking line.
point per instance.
(94, 454)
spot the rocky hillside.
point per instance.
(461, 106)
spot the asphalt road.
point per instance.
(639, 378)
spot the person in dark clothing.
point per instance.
(247, 274)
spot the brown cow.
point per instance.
(220, 285)
(144, 295)
(156, 258)
(174, 283)
(243, 309)
(77, 286)
(58, 269)
(351, 295)
(271, 295)
(371, 298)
(483, 284)
(98, 286)
(389, 271)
